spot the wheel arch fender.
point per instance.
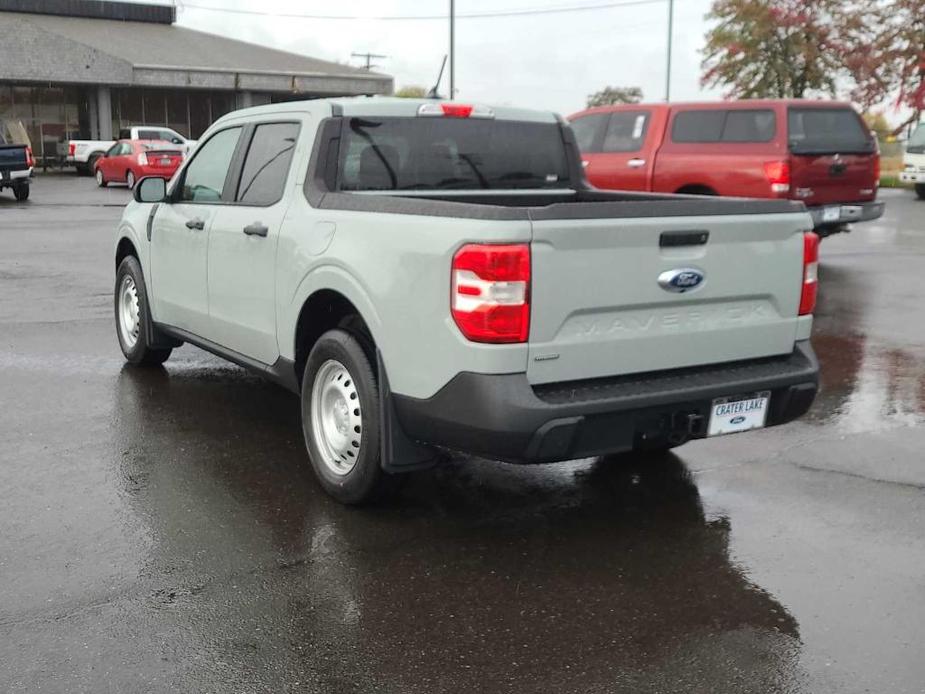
(330, 278)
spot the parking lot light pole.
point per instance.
(668, 66)
(452, 49)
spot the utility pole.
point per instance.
(670, 33)
(368, 57)
(452, 49)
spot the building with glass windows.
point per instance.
(84, 69)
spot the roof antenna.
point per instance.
(434, 91)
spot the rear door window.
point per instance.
(588, 131)
(150, 135)
(828, 131)
(421, 153)
(266, 166)
(626, 131)
(721, 125)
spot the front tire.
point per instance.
(920, 190)
(132, 317)
(100, 178)
(340, 420)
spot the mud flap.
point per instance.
(399, 452)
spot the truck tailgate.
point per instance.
(13, 156)
(598, 309)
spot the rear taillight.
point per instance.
(876, 170)
(810, 273)
(30, 159)
(778, 175)
(490, 299)
(143, 159)
(71, 149)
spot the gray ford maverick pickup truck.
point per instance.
(431, 275)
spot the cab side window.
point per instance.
(204, 178)
(266, 166)
(587, 131)
(626, 131)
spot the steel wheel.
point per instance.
(337, 419)
(129, 315)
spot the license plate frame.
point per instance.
(831, 213)
(747, 412)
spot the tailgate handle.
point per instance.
(672, 239)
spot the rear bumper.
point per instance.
(847, 213)
(158, 172)
(502, 416)
(9, 177)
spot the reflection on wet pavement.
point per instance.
(588, 573)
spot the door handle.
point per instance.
(636, 163)
(195, 224)
(256, 229)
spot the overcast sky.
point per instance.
(550, 61)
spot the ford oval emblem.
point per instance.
(737, 420)
(684, 279)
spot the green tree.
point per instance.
(411, 91)
(884, 53)
(876, 121)
(615, 95)
(772, 48)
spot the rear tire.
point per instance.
(21, 191)
(341, 420)
(920, 190)
(130, 180)
(100, 178)
(132, 317)
(91, 163)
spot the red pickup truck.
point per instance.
(818, 152)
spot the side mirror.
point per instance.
(150, 189)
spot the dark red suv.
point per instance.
(818, 152)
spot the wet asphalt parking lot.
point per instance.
(160, 530)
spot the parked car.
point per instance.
(129, 161)
(430, 274)
(914, 161)
(818, 152)
(83, 154)
(16, 164)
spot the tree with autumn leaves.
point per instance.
(872, 49)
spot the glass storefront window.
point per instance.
(131, 107)
(155, 107)
(177, 115)
(200, 113)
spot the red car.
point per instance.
(130, 160)
(818, 152)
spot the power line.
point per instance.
(442, 17)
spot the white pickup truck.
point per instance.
(83, 154)
(440, 275)
(914, 161)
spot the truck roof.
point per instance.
(384, 106)
(726, 105)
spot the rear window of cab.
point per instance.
(724, 125)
